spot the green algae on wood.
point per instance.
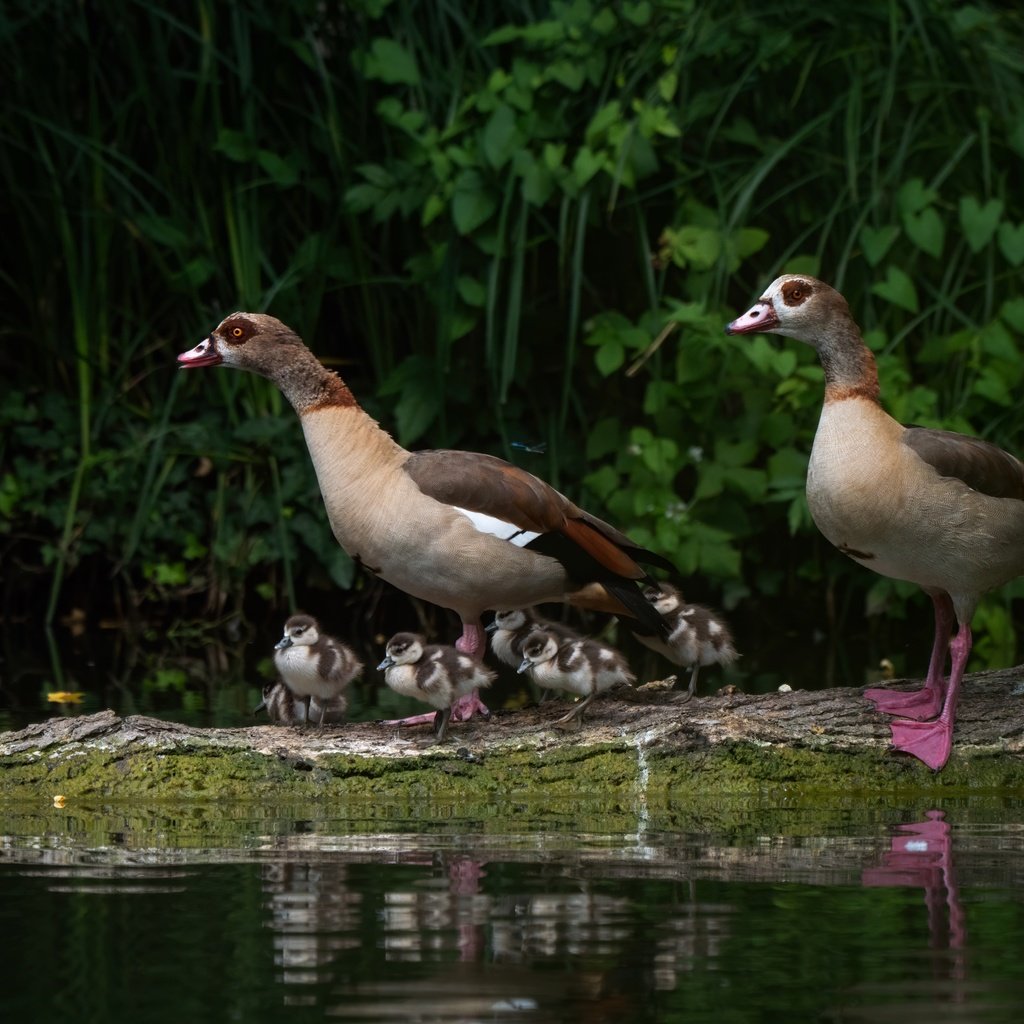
(642, 747)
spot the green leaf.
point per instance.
(538, 184)
(913, 197)
(417, 409)
(568, 73)
(750, 240)
(1012, 311)
(926, 230)
(898, 289)
(473, 203)
(604, 22)
(610, 114)
(991, 385)
(609, 357)
(389, 61)
(787, 469)
(501, 136)
(586, 165)
(876, 242)
(979, 222)
(471, 291)
(280, 171)
(997, 341)
(235, 145)
(1011, 242)
(604, 438)
(162, 230)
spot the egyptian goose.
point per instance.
(942, 510)
(313, 664)
(436, 674)
(284, 708)
(584, 666)
(697, 636)
(510, 628)
(462, 530)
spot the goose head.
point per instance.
(248, 341)
(299, 631)
(796, 306)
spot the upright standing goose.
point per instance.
(313, 664)
(939, 509)
(462, 530)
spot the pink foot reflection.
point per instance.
(922, 856)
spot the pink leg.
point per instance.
(931, 741)
(472, 642)
(925, 703)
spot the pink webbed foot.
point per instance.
(462, 711)
(929, 742)
(466, 707)
(917, 704)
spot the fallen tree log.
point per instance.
(644, 745)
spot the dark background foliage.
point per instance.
(483, 215)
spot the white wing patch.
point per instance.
(498, 527)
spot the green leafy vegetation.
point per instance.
(483, 215)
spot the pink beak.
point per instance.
(204, 354)
(760, 317)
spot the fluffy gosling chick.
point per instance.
(696, 635)
(509, 630)
(436, 674)
(583, 666)
(284, 708)
(313, 664)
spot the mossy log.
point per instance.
(644, 745)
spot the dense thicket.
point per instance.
(482, 214)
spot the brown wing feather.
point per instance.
(979, 464)
(484, 483)
(602, 549)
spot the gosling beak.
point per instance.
(285, 641)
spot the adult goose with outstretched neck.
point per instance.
(942, 510)
(462, 530)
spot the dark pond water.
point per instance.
(765, 912)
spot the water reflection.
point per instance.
(367, 924)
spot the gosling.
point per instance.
(313, 664)
(583, 666)
(509, 630)
(284, 708)
(696, 635)
(436, 674)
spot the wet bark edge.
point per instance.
(818, 739)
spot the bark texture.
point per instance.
(643, 740)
